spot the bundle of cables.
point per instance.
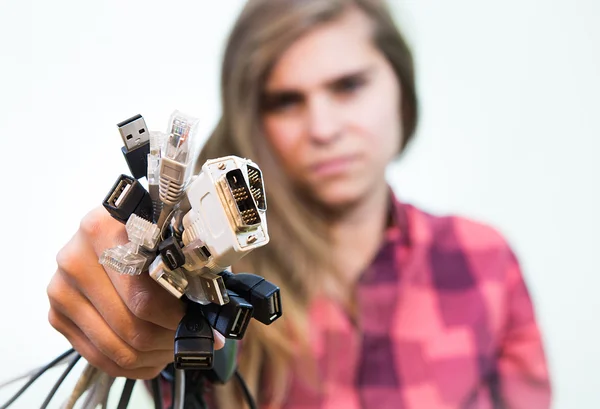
(185, 231)
(97, 385)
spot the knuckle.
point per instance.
(141, 340)
(140, 303)
(98, 360)
(91, 224)
(55, 321)
(55, 292)
(67, 259)
(52, 291)
(126, 359)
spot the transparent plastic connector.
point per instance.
(174, 281)
(157, 140)
(141, 232)
(180, 142)
(125, 259)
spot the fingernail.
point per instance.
(219, 337)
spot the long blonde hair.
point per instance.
(299, 241)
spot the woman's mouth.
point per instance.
(334, 166)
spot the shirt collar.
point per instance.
(397, 227)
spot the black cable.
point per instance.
(195, 387)
(247, 394)
(168, 373)
(126, 395)
(35, 377)
(60, 381)
(157, 393)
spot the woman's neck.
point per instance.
(357, 234)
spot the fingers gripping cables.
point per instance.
(184, 231)
(198, 226)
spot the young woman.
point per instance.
(385, 306)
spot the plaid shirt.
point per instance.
(445, 321)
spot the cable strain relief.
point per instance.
(193, 232)
(157, 207)
(212, 266)
(170, 191)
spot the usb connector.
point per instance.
(264, 296)
(134, 132)
(194, 341)
(174, 281)
(136, 139)
(214, 288)
(231, 319)
(128, 197)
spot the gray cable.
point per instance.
(30, 373)
(60, 381)
(179, 389)
(36, 377)
(107, 383)
(85, 381)
(99, 391)
(104, 403)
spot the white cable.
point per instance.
(107, 386)
(179, 389)
(99, 391)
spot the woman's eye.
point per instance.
(348, 85)
(281, 102)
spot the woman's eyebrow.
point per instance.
(281, 93)
(350, 76)
(274, 99)
(329, 83)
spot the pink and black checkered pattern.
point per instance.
(445, 321)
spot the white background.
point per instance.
(508, 135)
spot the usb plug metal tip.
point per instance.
(134, 132)
(214, 288)
(136, 138)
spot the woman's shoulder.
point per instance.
(446, 228)
(459, 243)
(455, 229)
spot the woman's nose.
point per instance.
(324, 125)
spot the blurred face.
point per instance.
(332, 111)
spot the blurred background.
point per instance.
(509, 135)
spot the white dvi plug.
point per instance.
(227, 218)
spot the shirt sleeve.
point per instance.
(523, 379)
